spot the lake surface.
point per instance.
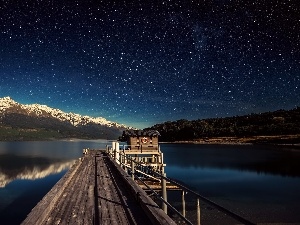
(259, 182)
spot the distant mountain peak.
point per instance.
(6, 102)
(7, 99)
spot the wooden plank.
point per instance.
(83, 198)
(90, 209)
(119, 206)
(42, 210)
(66, 203)
(107, 194)
(102, 191)
(110, 197)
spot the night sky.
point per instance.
(145, 62)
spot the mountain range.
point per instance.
(35, 121)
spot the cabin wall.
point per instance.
(143, 142)
(155, 140)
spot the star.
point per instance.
(144, 63)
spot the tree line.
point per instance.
(280, 122)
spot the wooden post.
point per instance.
(132, 169)
(164, 192)
(121, 159)
(109, 150)
(125, 162)
(198, 211)
(113, 148)
(183, 203)
(117, 148)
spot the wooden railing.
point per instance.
(163, 179)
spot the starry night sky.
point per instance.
(145, 62)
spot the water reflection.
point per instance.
(39, 159)
(247, 178)
(259, 182)
(14, 167)
(260, 159)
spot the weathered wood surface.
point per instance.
(96, 191)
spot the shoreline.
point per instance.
(284, 140)
(278, 140)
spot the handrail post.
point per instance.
(117, 152)
(121, 158)
(132, 169)
(114, 150)
(164, 192)
(125, 161)
(110, 151)
(183, 203)
(198, 211)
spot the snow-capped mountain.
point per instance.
(27, 118)
(7, 104)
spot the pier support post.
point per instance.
(198, 211)
(164, 192)
(183, 203)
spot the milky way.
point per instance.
(146, 62)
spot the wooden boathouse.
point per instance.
(143, 147)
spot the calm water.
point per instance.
(259, 182)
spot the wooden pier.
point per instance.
(96, 190)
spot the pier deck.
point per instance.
(96, 191)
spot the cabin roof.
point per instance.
(138, 133)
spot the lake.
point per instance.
(259, 182)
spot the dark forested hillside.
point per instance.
(16, 126)
(281, 122)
